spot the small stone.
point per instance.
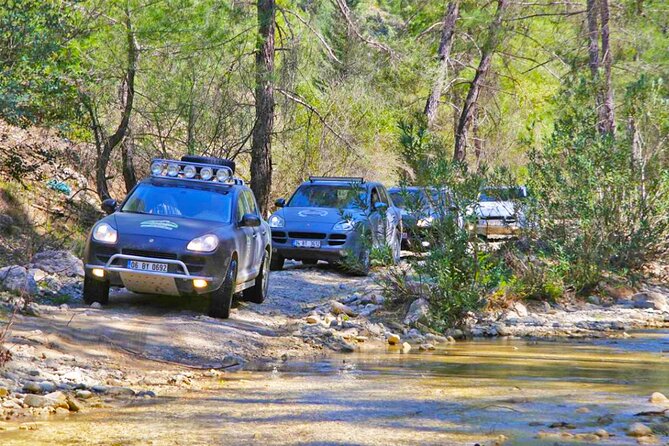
(651, 300)
(425, 347)
(83, 394)
(96, 305)
(602, 433)
(120, 391)
(419, 311)
(361, 338)
(37, 401)
(658, 398)
(3, 392)
(450, 339)
(502, 330)
(73, 405)
(47, 387)
(311, 319)
(582, 410)
(406, 347)
(145, 394)
(639, 430)
(393, 339)
(32, 387)
(100, 389)
(340, 308)
(587, 437)
(58, 398)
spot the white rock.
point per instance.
(651, 300)
(15, 278)
(418, 312)
(639, 430)
(658, 398)
(340, 308)
(58, 262)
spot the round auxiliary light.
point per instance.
(206, 173)
(172, 170)
(190, 171)
(222, 175)
(157, 168)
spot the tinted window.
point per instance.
(411, 198)
(251, 202)
(242, 206)
(329, 196)
(502, 194)
(383, 196)
(176, 201)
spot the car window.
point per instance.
(242, 206)
(375, 197)
(178, 201)
(251, 202)
(329, 196)
(382, 196)
(502, 194)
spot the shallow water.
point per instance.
(467, 393)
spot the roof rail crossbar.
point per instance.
(313, 178)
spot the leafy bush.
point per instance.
(597, 206)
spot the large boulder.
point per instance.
(651, 300)
(58, 262)
(15, 278)
(419, 311)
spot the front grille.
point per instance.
(154, 254)
(279, 236)
(337, 239)
(307, 235)
(499, 218)
(104, 253)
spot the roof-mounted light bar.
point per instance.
(349, 179)
(200, 172)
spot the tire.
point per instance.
(209, 160)
(310, 262)
(258, 292)
(276, 264)
(363, 265)
(95, 291)
(220, 301)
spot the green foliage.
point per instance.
(597, 207)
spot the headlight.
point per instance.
(105, 233)
(346, 225)
(205, 243)
(425, 222)
(276, 222)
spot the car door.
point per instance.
(259, 232)
(392, 216)
(246, 248)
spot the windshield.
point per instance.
(329, 196)
(175, 201)
(408, 198)
(502, 194)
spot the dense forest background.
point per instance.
(331, 86)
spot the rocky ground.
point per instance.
(67, 356)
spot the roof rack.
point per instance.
(194, 172)
(349, 179)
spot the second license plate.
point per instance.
(147, 266)
(307, 243)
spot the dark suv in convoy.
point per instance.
(191, 228)
(333, 219)
(422, 208)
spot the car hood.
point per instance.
(496, 209)
(315, 215)
(163, 226)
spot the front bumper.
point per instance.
(497, 228)
(182, 269)
(334, 245)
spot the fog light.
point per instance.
(98, 272)
(199, 283)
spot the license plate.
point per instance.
(147, 266)
(495, 222)
(307, 243)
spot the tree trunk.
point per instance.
(607, 116)
(261, 149)
(127, 154)
(106, 144)
(444, 54)
(593, 46)
(488, 51)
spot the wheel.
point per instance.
(258, 291)
(363, 263)
(221, 299)
(309, 261)
(209, 160)
(276, 264)
(396, 246)
(95, 291)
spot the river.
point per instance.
(468, 393)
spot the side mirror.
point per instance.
(109, 206)
(280, 202)
(250, 220)
(380, 206)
